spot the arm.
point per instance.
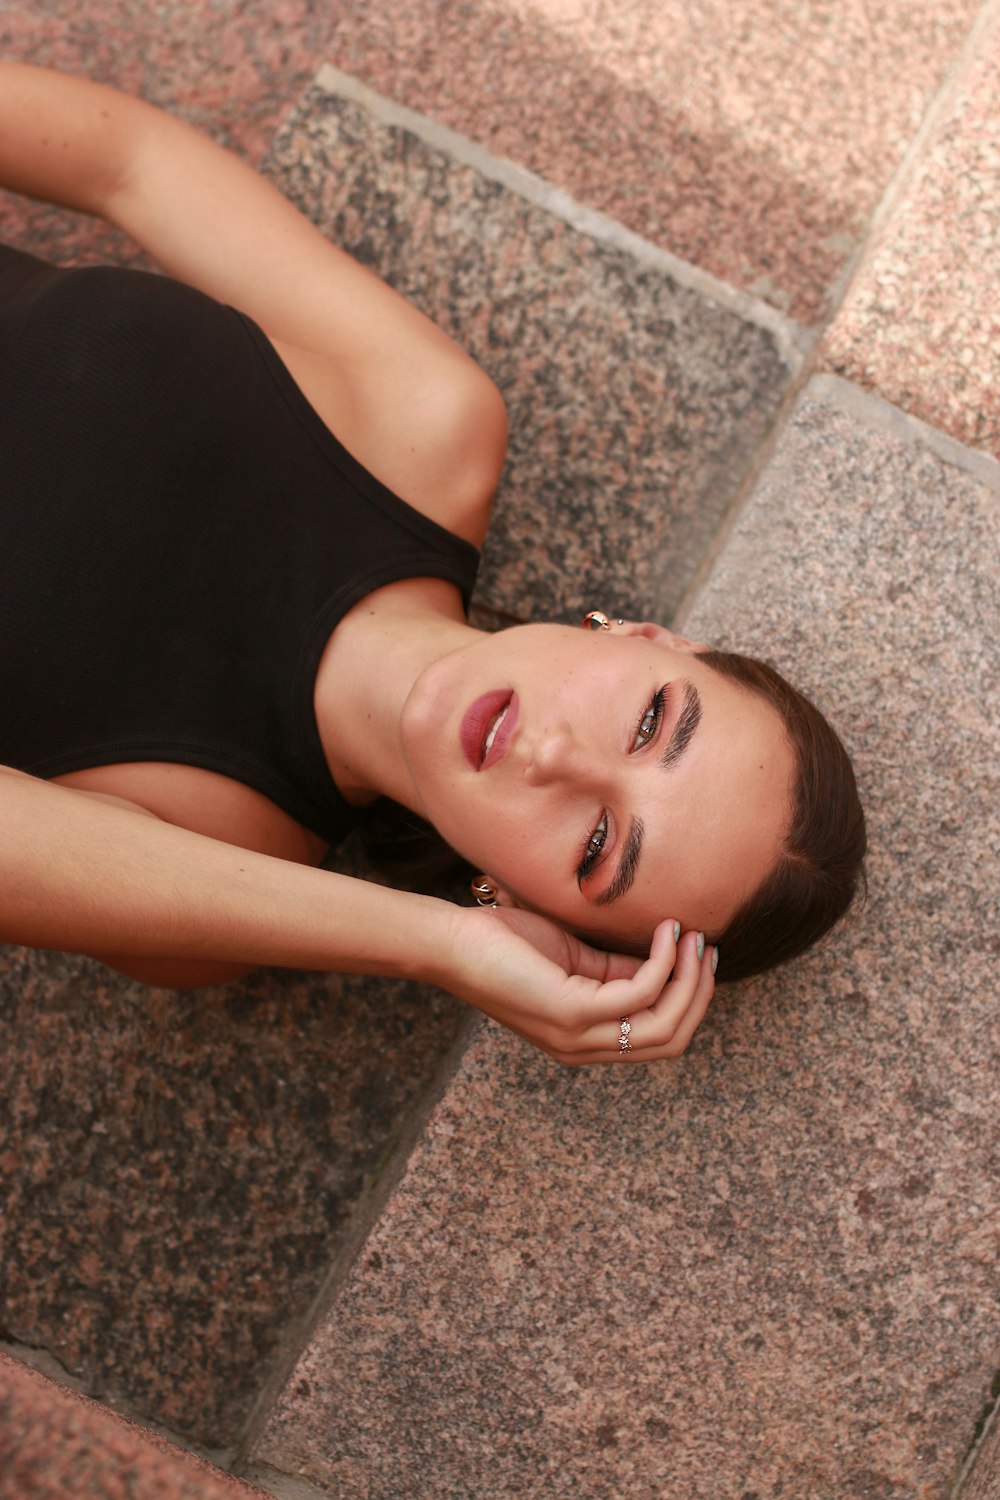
(201, 213)
(410, 404)
(86, 875)
(90, 875)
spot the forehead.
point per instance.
(714, 824)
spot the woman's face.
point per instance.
(608, 779)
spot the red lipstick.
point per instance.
(487, 726)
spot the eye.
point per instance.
(593, 849)
(650, 722)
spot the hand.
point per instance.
(568, 998)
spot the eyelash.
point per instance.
(590, 857)
(655, 711)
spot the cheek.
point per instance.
(519, 858)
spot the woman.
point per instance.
(224, 629)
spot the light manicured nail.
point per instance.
(715, 959)
(701, 946)
(677, 931)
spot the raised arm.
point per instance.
(199, 211)
(84, 875)
(402, 395)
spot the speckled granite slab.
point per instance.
(771, 1268)
(636, 401)
(179, 1170)
(752, 137)
(921, 324)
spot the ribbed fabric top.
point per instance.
(179, 534)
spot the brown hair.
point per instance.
(821, 867)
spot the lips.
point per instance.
(487, 727)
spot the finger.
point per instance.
(602, 1010)
(638, 990)
(666, 1027)
(664, 1019)
(695, 1013)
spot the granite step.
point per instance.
(239, 1233)
(775, 1273)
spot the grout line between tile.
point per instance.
(968, 1469)
(44, 1362)
(903, 177)
(283, 1486)
(876, 412)
(793, 340)
(744, 493)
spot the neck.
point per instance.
(366, 674)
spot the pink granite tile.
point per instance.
(770, 1269)
(922, 322)
(55, 1444)
(751, 138)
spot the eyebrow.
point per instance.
(687, 722)
(627, 866)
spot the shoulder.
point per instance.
(437, 439)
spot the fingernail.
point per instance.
(677, 931)
(715, 959)
(701, 946)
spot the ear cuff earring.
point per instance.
(596, 619)
(484, 891)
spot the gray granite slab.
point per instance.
(772, 1268)
(179, 1170)
(636, 402)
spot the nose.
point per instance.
(557, 755)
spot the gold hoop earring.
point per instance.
(596, 619)
(484, 891)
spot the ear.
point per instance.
(661, 635)
(504, 898)
(501, 895)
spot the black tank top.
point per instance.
(179, 534)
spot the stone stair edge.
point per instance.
(793, 340)
(875, 412)
(47, 1422)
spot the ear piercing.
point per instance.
(596, 619)
(484, 891)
